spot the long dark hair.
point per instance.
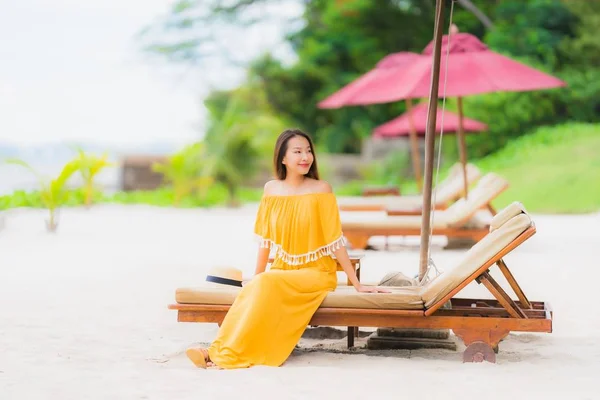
(281, 147)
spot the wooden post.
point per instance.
(414, 144)
(430, 138)
(462, 145)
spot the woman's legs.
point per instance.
(267, 318)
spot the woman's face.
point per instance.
(298, 157)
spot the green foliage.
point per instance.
(388, 171)
(246, 105)
(89, 166)
(164, 197)
(183, 171)
(53, 192)
(215, 195)
(21, 198)
(335, 43)
(242, 130)
(583, 50)
(339, 41)
(335, 46)
(508, 115)
(532, 29)
(580, 100)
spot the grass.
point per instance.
(553, 170)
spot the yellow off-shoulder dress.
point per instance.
(272, 311)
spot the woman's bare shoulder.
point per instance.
(318, 186)
(276, 187)
(271, 186)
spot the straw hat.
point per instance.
(224, 276)
(396, 279)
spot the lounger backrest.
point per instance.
(452, 187)
(477, 256)
(486, 190)
(506, 214)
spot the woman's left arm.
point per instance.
(342, 257)
(334, 227)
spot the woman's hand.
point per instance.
(371, 289)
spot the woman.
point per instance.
(299, 220)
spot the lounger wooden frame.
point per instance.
(359, 237)
(419, 211)
(383, 207)
(480, 323)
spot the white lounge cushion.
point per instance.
(401, 298)
(504, 215)
(477, 256)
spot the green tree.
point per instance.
(241, 133)
(583, 50)
(334, 43)
(337, 41)
(533, 29)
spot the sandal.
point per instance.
(198, 356)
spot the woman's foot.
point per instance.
(200, 358)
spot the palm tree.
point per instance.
(53, 193)
(235, 144)
(183, 171)
(89, 166)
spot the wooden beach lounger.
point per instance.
(480, 323)
(462, 219)
(448, 191)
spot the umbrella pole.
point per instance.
(462, 145)
(414, 143)
(430, 138)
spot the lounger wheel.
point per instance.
(479, 351)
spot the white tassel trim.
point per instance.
(301, 259)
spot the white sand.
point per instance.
(84, 315)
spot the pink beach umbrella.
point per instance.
(401, 126)
(472, 68)
(389, 69)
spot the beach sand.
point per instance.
(84, 315)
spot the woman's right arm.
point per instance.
(263, 252)
(262, 260)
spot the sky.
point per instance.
(72, 70)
